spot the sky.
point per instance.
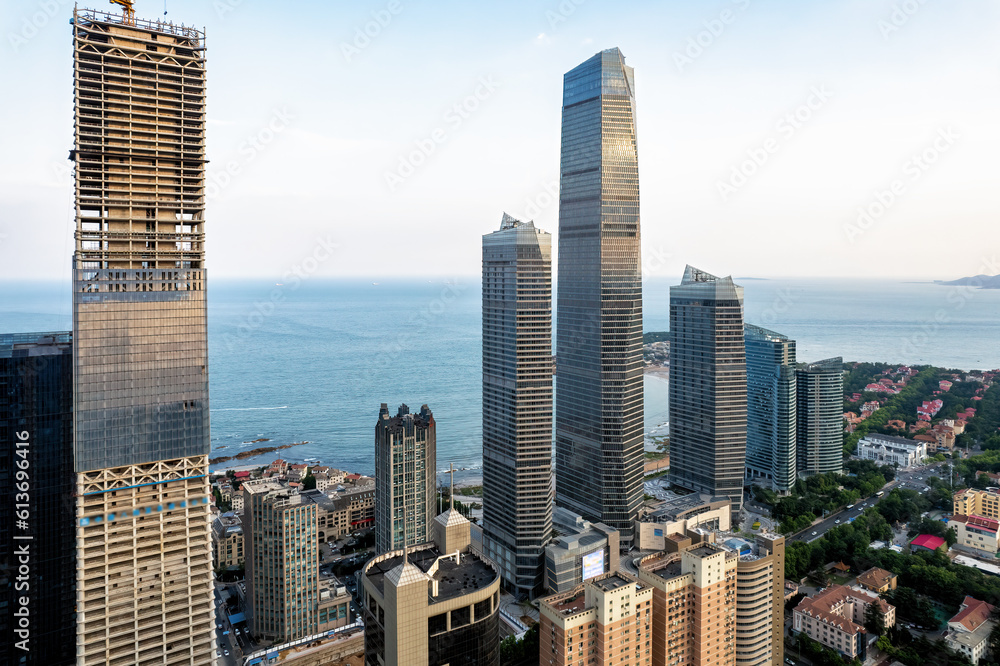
(843, 138)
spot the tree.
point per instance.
(309, 482)
(874, 619)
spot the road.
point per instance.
(915, 479)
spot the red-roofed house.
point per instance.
(927, 542)
(976, 533)
(970, 629)
(836, 617)
(244, 474)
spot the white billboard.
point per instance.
(593, 564)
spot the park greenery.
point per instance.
(520, 651)
(822, 493)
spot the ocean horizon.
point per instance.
(313, 360)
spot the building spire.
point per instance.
(405, 560)
(451, 493)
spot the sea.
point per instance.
(312, 361)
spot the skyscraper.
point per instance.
(282, 565)
(36, 459)
(708, 386)
(140, 400)
(405, 477)
(820, 389)
(771, 405)
(517, 401)
(599, 400)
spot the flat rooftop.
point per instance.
(454, 579)
(612, 582)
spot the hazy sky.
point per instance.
(764, 127)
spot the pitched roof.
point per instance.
(973, 613)
(825, 606)
(928, 541)
(876, 577)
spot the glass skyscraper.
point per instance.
(708, 386)
(36, 442)
(820, 389)
(517, 401)
(771, 407)
(140, 397)
(599, 384)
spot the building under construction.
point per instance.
(140, 381)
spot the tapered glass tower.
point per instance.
(771, 407)
(599, 385)
(517, 401)
(708, 386)
(140, 363)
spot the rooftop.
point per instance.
(454, 578)
(876, 577)
(612, 582)
(928, 541)
(973, 614)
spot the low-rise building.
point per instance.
(927, 542)
(877, 580)
(975, 533)
(340, 512)
(605, 620)
(892, 450)
(654, 526)
(969, 630)
(974, 502)
(836, 617)
(582, 550)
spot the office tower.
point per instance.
(605, 620)
(140, 395)
(405, 477)
(771, 405)
(708, 386)
(433, 603)
(820, 429)
(760, 601)
(517, 401)
(282, 562)
(599, 400)
(36, 477)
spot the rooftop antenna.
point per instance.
(405, 561)
(451, 493)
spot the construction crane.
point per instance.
(128, 12)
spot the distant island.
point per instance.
(981, 281)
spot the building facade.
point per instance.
(708, 386)
(820, 430)
(771, 407)
(969, 629)
(282, 562)
(140, 407)
(581, 550)
(517, 401)
(975, 502)
(975, 533)
(760, 609)
(835, 618)
(599, 392)
(892, 450)
(36, 475)
(405, 477)
(606, 620)
(435, 603)
(227, 539)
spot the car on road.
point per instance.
(218, 653)
(226, 652)
(815, 533)
(837, 521)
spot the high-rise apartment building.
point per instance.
(36, 475)
(771, 407)
(820, 428)
(760, 603)
(605, 620)
(599, 392)
(405, 477)
(434, 603)
(140, 354)
(708, 386)
(517, 401)
(282, 562)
